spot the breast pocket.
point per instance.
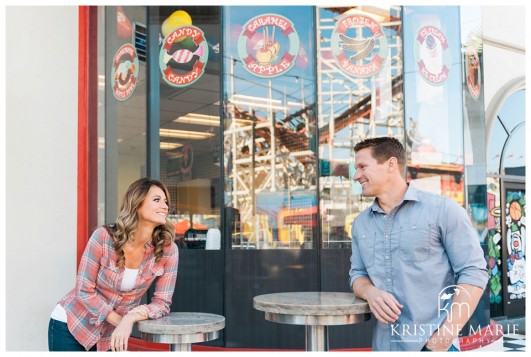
(150, 275)
(109, 274)
(366, 245)
(415, 241)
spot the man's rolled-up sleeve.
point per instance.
(462, 245)
(357, 268)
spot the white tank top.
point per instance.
(128, 283)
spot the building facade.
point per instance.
(249, 114)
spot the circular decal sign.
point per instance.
(183, 47)
(124, 72)
(359, 53)
(473, 71)
(268, 45)
(432, 55)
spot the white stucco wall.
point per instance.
(503, 59)
(41, 168)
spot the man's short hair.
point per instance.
(384, 148)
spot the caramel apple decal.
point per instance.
(268, 45)
(267, 49)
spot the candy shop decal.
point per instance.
(432, 55)
(183, 56)
(268, 45)
(473, 71)
(359, 45)
(124, 73)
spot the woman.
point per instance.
(118, 265)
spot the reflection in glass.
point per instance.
(125, 117)
(189, 119)
(360, 96)
(269, 127)
(433, 85)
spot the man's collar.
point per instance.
(410, 195)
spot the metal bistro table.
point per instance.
(316, 310)
(181, 329)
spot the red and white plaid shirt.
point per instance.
(97, 290)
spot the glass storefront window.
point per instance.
(125, 105)
(269, 127)
(474, 118)
(360, 96)
(187, 98)
(189, 62)
(434, 109)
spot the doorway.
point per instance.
(513, 247)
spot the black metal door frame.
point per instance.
(514, 307)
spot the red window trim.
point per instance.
(87, 132)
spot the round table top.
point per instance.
(183, 323)
(311, 303)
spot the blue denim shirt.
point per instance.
(424, 245)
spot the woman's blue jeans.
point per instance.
(60, 338)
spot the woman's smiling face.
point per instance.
(154, 208)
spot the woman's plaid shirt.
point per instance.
(97, 289)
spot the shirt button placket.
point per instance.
(387, 250)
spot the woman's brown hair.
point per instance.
(127, 220)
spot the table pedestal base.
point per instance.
(181, 347)
(316, 338)
(315, 310)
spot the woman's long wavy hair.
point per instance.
(127, 220)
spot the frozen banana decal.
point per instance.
(362, 48)
(359, 45)
(124, 72)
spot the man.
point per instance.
(416, 258)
